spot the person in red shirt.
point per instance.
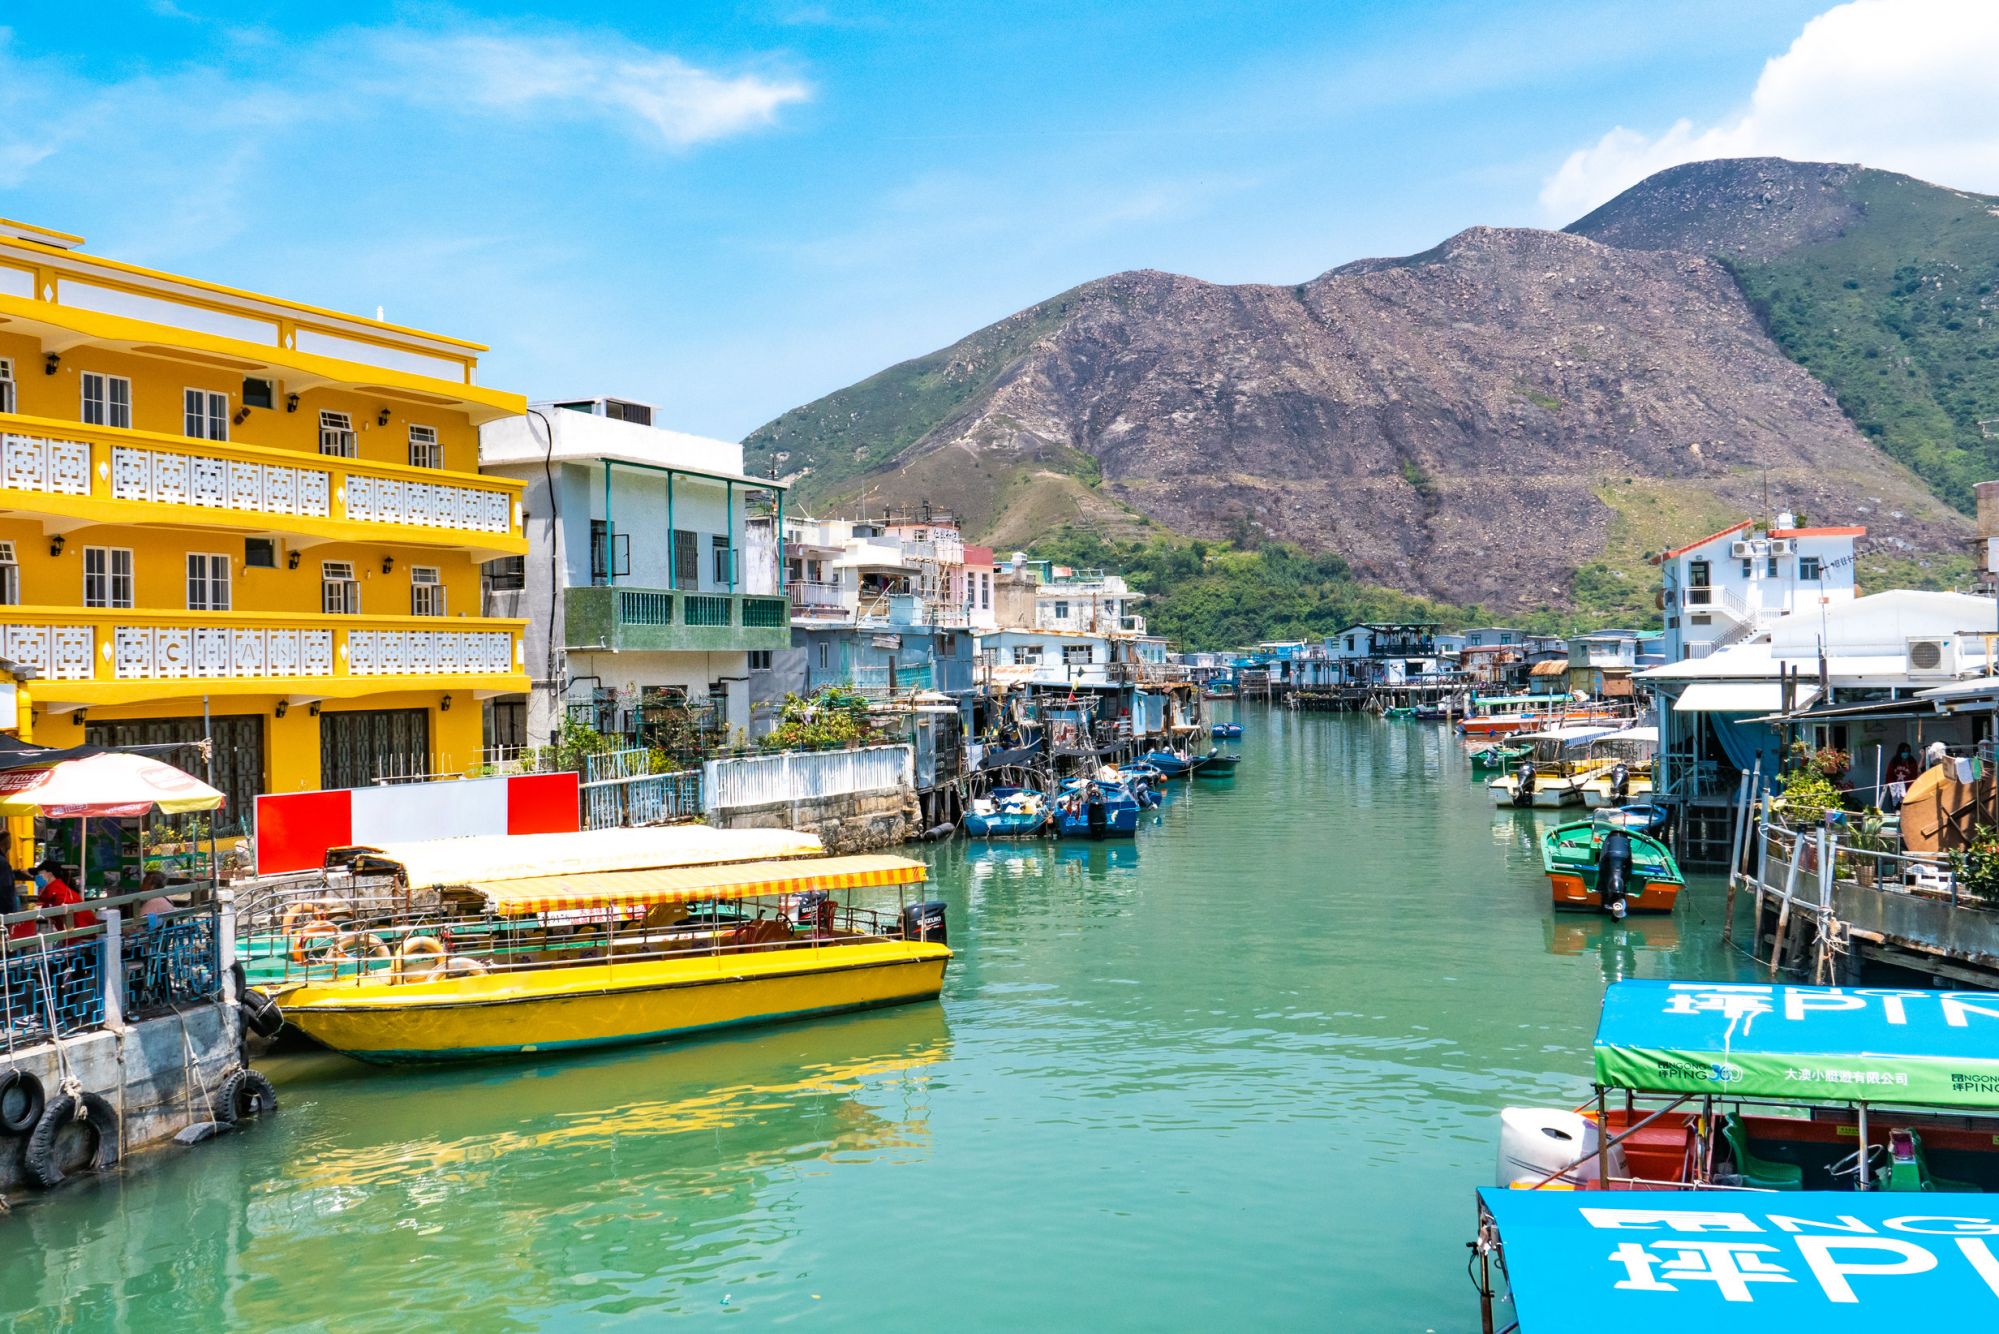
(52, 891)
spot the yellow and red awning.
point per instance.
(695, 884)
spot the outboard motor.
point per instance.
(924, 921)
(1620, 784)
(1613, 872)
(1523, 784)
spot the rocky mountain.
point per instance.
(1509, 419)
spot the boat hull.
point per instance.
(1597, 794)
(1549, 795)
(1570, 894)
(1119, 822)
(600, 1005)
(1003, 826)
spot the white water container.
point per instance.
(1535, 1142)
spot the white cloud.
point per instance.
(521, 73)
(1907, 85)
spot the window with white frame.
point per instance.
(985, 592)
(1061, 611)
(760, 659)
(426, 591)
(1075, 655)
(339, 594)
(1027, 655)
(719, 545)
(6, 385)
(107, 576)
(1808, 567)
(204, 414)
(10, 576)
(425, 452)
(336, 435)
(207, 581)
(107, 400)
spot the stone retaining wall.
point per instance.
(853, 822)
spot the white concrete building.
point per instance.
(634, 585)
(1731, 585)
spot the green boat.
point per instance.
(1573, 856)
(1398, 711)
(1489, 759)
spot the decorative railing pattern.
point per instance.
(173, 652)
(170, 960)
(29, 463)
(426, 504)
(219, 479)
(52, 988)
(620, 791)
(167, 477)
(420, 652)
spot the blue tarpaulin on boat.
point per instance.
(1719, 1262)
(1824, 1044)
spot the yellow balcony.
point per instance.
(123, 656)
(68, 475)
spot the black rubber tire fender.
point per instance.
(21, 1090)
(261, 1014)
(246, 1095)
(38, 1156)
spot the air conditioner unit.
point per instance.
(1782, 546)
(1740, 549)
(1932, 657)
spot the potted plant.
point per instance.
(1977, 869)
(1867, 835)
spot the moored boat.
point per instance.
(1218, 767)
(550, 963)
(1625, 776)
(1594, 864)
(1096, 810)
(1486, 759)
(1502, 715)
(1007, 812)
(1554, 776)
(1172, 763)
(1226, 731)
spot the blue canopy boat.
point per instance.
(1097, 810)
(1009, 812)
(1226, 731)
(1173, 763)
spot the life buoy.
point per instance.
(418, 947)
(351, 945)
(38, 1155)
(312, 909)
(21, 1102)
(261, 1014)
(314, 931)
(245, 1095)
(460, 966)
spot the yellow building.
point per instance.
(229, 514)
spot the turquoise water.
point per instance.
(1242, 1072)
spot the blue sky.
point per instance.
(730, 209)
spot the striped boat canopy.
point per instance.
(695, 884)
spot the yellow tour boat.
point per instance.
(552, 963)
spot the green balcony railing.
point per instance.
(614, 619)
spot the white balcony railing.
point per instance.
(160, 650)
(97, 463)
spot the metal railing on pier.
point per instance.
(62, 980)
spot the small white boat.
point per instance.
(1555, 776)
(1626, 775)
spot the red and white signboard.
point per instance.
(294, 829)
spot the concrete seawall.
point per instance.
(160, 1075)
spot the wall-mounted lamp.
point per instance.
(291, 402)
(444, 705)
(55, 545)
(312, 710)
(50, 362)
(242, 415)
(78, 717)
(388, 563)
(382, 417)
(282, 706)
(291, 560)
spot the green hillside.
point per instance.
(1898, 318)
(867, 425)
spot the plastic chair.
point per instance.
(1909, 1167)
(1762, 1173)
